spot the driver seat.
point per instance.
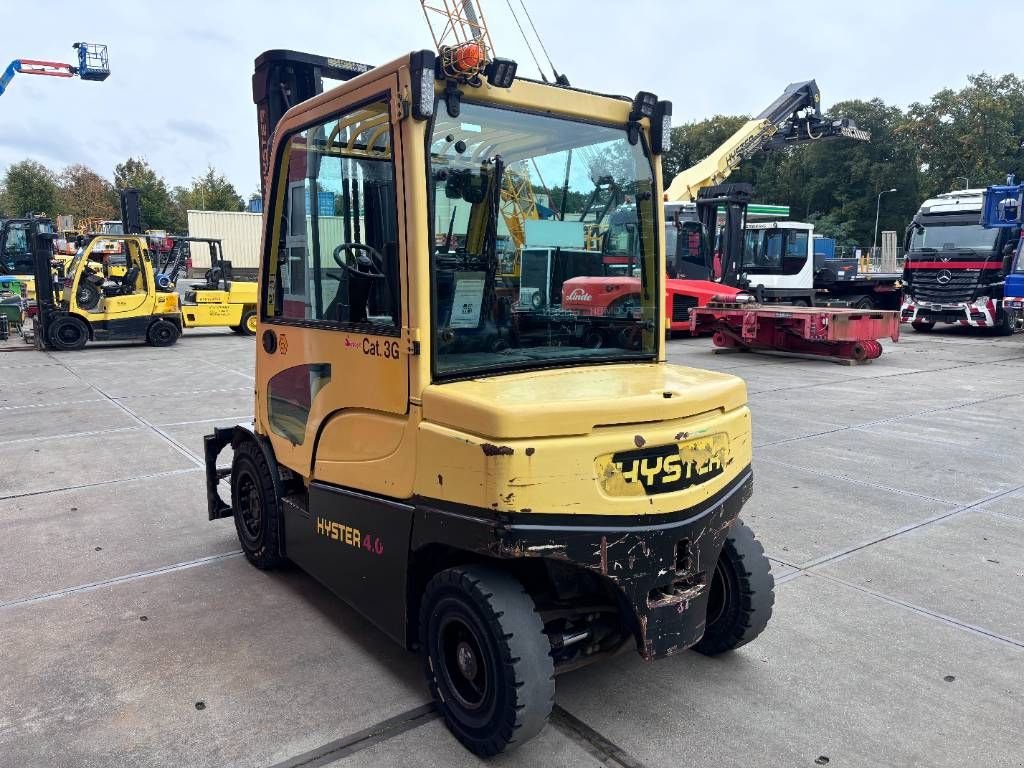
(129, 280)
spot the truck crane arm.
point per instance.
(789, 120)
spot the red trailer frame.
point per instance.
(848, 334)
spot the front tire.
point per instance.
(742, 594)
(922, 327)
(488, 661)
(1005, 326)
(68, 333)
(257, 508)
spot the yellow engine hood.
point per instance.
(574, 401)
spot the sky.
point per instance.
(179, 93)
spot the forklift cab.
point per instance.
(510, 500)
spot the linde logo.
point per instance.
(578, 294)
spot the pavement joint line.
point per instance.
(144, 422)
(892, 419)
(847, 378)
(116, 580)
(98, 483)
(227, 368)
(144, 395)
(232, 419)
(854, 480)
(47, 438)
(50, 405)
(594, 743)
(972, 628)
(842, 554)
(368, 737)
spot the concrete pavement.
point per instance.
(889, 497)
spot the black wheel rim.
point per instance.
(69, 333)
(249, 507)
(162, 333)
(464, 666)
(723, 589)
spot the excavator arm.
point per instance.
(789, 120)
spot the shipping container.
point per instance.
(239, 234)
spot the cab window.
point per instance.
(335, 260)
(16, 256)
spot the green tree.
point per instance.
(975, 133)
(159, 210)
(28, 186)
(209, 192)
(83, 193)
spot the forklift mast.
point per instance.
(734, 198)
(131, 211)
(284, 78)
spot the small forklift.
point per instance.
(218, 300)
(511, 505)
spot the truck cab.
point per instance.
(955, 268)
(778, 261)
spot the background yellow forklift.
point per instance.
(464, 471)
(90, 305)
(218, 300)
(95, 302)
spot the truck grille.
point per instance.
(681, 307)
(960, 288)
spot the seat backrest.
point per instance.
(129, 280)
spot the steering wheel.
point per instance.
(360, 260)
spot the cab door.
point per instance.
(329, 354)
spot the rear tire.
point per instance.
(922, 327)
(742, 594)
(257, 509)
(487, 659)
(248, 325)
(68, 333)
(162, 333)
(865, 302)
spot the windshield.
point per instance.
(948, 237)
(781, 251)
(16, 257)
(545, 252)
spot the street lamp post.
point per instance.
(967, 181)
(878, 208)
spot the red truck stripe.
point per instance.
(954, 265)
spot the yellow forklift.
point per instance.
(88, 303)
(132, 301)
(457, 465)
(219, 300)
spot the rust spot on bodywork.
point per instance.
(681, 436)
(604, 555)
(490, 449)
(530, 451)
(639, 440)
(440, 479)
(526, 510)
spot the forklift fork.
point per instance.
(212, 447)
